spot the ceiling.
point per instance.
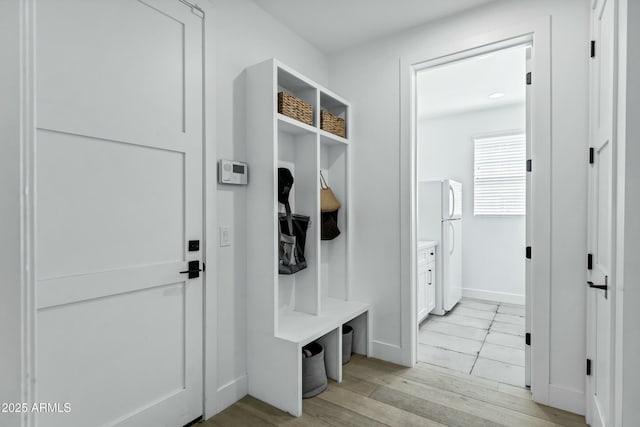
(466, 85)
(335, 25)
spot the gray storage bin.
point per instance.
(314, 374)
(347, 343)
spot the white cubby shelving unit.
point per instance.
(286, 312)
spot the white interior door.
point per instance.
(600, 292)
(119, 195)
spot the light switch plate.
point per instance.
(225, 236)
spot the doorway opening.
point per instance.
(472, 145)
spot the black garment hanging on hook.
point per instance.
(292, 229)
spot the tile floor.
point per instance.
(481, 338)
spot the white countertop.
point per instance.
(424, 244)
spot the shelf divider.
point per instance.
(295, 127)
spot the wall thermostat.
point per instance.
(232, 172)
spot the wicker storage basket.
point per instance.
(295, 108)
(331, 123)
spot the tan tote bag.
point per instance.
(328, 200)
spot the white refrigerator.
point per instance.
(440, 219)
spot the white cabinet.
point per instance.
(426, 292)
(422, 292)
(431, 284)
(286, 312)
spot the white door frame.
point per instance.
(28, 326)
(212, 403)
(538, 32)
(28, 208)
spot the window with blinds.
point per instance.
(500, 175)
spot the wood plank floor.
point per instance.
(377, 393)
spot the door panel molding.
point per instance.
(58, 291)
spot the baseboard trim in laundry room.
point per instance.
(503, 297)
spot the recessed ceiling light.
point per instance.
(496, 95)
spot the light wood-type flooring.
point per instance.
(376, 393)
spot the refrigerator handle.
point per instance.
(452, 208)
(453, 238)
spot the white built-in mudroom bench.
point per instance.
(286, 312)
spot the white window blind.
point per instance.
(500, 175)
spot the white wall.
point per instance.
(10, 246)
(368, 75)
(628, 233)
(492, 246)
(244, 35)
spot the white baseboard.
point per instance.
(566, 398)
(493, 296)
(231, 392)
(385, 351)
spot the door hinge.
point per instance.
(589, 261)
(529, 78)
(593, 48)
(527, 252)
(588, 366)
(592, 156)
(529, 165)
(204, 267)
(527, 338)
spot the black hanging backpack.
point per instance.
(292, 229)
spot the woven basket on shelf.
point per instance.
(295, 108)
(331, 123)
